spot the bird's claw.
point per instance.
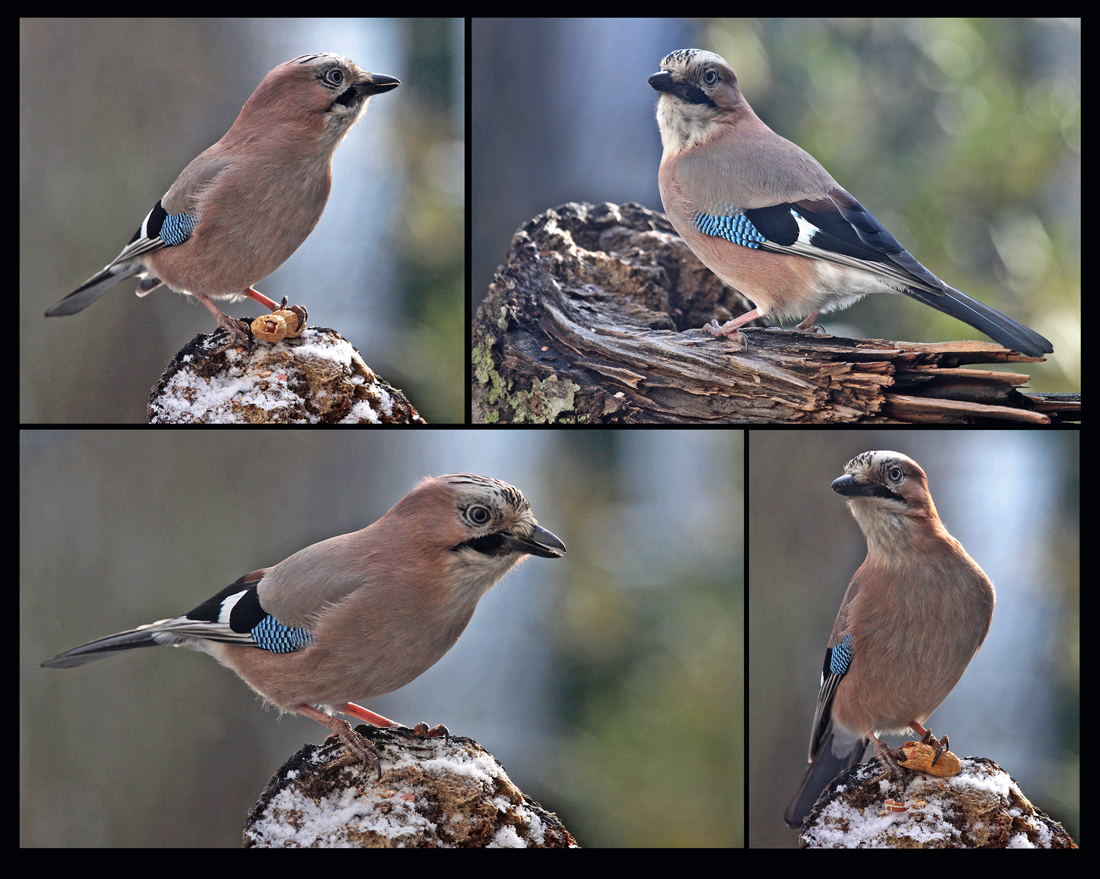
(435, 732)
(359, 748)
(299, 310)
(239, 333)
(940, 745)
(889, 758)
(728, 330)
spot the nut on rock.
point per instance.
(922, 758)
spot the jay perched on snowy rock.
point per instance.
(241, 208)
(362, 614)
(914, 615)
(766, 218)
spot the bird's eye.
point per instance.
(336, 76)
(894, 474)
(479, 515)
(710, 77)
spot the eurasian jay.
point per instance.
(914, 615)
(240, 209)
(766, 218)
(358, 615)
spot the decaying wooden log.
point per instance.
(595, 319)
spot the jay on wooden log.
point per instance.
(914, 615)
(769, 220)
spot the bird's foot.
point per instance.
(300, 311)
(888, 758)
(808, 325)
(360, 748)
(940, 745)
(729, 329)
(423, 731)
(239, 332)
(437, 731)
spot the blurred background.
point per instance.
(962, 136)
(1012, 499)
(111, 110)
(609, 682)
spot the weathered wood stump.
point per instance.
(595, 318)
